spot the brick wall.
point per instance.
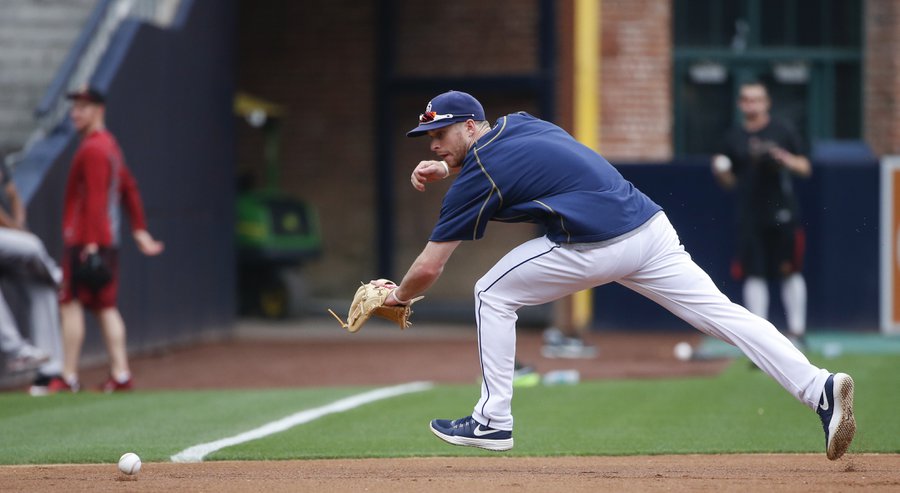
(466, 37)
(882, 76)
(636, 95)
(317, 58)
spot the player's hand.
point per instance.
(392, 299)
(722, 171)
(782, 156)
(383, 283)
(88, 250)
(427, 172)
(147, 244)
(795, 163)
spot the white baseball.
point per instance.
(683, 351)
(130, 463)
(722, 163)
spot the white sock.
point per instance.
(793, 296)
(756, 296)
(122, 377)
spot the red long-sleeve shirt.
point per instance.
(98, 182)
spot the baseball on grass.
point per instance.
(130, 463)
(683, 351)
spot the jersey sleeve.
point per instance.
(469, 204)
(131, 199)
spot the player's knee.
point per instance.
(480, 286)
(492, 298)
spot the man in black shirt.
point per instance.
(758, 160)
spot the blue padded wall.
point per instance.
(839, 206)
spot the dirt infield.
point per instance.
(771, 473)
(318, 354)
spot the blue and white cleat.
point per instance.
(469, 433)
(836, 412)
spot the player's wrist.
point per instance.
(446, 168)
(397, 299)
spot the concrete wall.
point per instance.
(35, 37)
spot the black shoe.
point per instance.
(469, 433)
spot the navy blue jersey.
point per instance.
(529, 170)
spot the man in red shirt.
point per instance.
(98, 182)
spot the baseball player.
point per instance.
(99, 181)
(759, 159)
(599, 229)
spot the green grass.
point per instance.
(91, 427)
(741, 410)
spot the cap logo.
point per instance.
(428, 108)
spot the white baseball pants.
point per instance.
(652, 262)
(23, 256)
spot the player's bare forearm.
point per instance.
(17, 208)
(796, 163)
(801, 166)
(6, 221)
(14, 217)
(426, 269)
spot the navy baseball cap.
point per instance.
(88, 94)
(446, 109)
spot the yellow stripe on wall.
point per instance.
(587, 72)
(586, 109)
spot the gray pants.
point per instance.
(24, 259)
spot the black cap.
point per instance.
(88, 94)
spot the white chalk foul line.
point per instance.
(198, 452)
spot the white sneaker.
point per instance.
(27, 358)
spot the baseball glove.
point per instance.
(92, 272)
(368, 301)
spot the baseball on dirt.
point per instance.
(683, 351)
(130, 463)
